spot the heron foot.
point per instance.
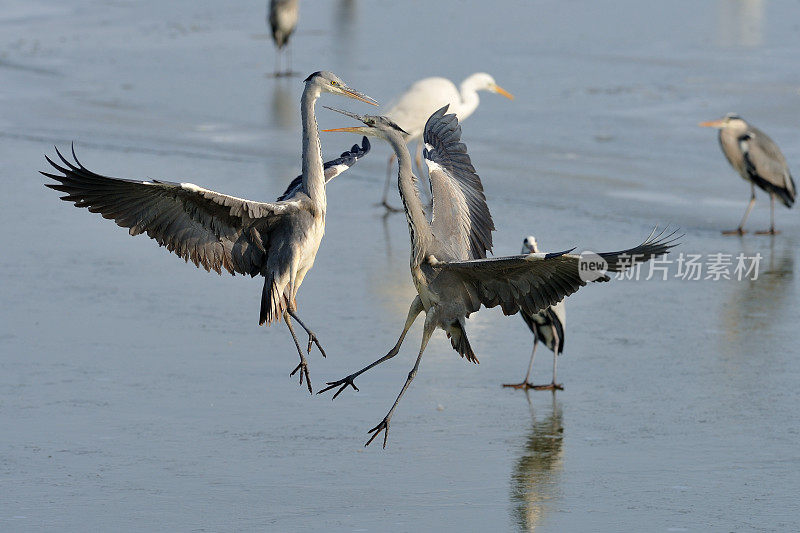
(737, 231)
(771, 231)
(523, 385)
(303, 368)
(383, 426)
(390, 208)
(312, 339)
(343, 382)
(552, 386)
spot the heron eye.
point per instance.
(334, 83)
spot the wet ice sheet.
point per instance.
(138, 393)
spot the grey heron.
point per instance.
(448, 262)
(282, 20)
(277, 240)
(758, 160)
(547, 326)
(411, 110)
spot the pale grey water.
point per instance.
(137, 393)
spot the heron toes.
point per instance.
(303, 368)
(390, 207)
(312, 339)
(342, 383)
(771, 231)
(737, 231)
(523, 385)
(551, 386)
(383, 426)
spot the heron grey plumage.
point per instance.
(758, 160)
(411, 110)
(277, 240)
(548, 326)
(282, 19)
(448, 262)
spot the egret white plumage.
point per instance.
(449, 267)
(282, 19)
(548, 326)
(758, 160)
(411, 109)
(277, 240)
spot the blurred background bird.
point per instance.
(282, 20)
(411, 110)
(757, 159)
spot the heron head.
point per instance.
(331, 83)
(374, 125)
(529, 245)
(731, 120)
(481, 81)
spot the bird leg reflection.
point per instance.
(312, 338)
(303, 366)
(384, 424)
(740, 230)
(413, 312)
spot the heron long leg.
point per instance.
(556, 346)
(740, 229)
(387, 185)
(312, 338)
(771, 230)
(384, 425)
(525, 382)
(303, 366)
(413, 311)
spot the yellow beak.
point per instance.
(711, 124)
(502, 91)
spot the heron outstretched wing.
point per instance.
(211, 229)
(535, 281)
(332, 168)
(460, 220)
(766, 165)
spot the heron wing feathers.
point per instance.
(766, 165)
(213, 230)
(332, 168)
(534, 282)
(461, 221)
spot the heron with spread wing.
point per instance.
(449, 267)
(277, 240)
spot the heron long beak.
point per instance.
(711, 124)
(359, 96)
(363, 130)
(502, 91)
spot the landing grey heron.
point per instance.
(277, 240)
(757, 159)
(282, 20)
(449, 267)
(548, 326)
(412, 108)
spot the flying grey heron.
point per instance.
(547, 326)
(412, 108)
(282, 20)
(277, 240)
(757, 159)
(448, 264)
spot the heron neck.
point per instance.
(313, 173)
(469, 99)
(418, 224)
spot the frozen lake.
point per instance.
(138, 393)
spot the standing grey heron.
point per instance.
(547, 326)
(282, 20)
(448, 263)
(277, 240)
(412, 108)
(758, 160)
